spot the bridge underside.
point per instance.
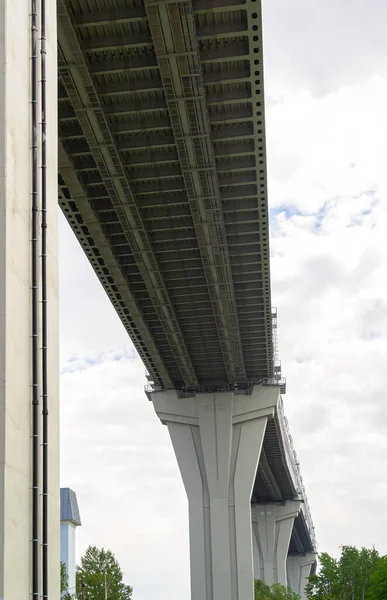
(163, 178)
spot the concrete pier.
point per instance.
(217, 440)
(299, 568)
(272, 528)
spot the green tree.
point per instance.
(347, 578)
(325, 585)
(275, 592)
(64, 584)
(63, 578)
(281, 592)
(355, 568)
(377, 589)
(261, 590)
(103, 577)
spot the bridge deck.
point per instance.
(163, 178)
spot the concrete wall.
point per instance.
(15, 301)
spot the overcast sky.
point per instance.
(326, 91)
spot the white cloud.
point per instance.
(326, 130)
(329, 279)
(323, 44)
(321, 149)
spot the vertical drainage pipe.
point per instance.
(35, 303)
(43, 100)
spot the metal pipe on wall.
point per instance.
(43, 100)
(35, 300)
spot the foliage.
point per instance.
(103, 577)
(355, 568)
(324, 585)
(261, 590)
(63, 578)
(280, 592)
(275, 592)
(377, 589)
(347, 578)
(64, 585)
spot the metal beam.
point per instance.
(146, 141)
(229, 131)
(131, 15)
(114, 42)
(153, 156)
(131, 64)
(83, 95)
(234, 52)
(153, 172)
(173, 31)
(123, 64)
(139, 125)
(221, 31)
(234, 148)
(236, 164)
(154, 84)
(214, 5)
(234, 115)
(108, 17)
(114, 89)
(227, 95)
(136, 107)
(126, 108)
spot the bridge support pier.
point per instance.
(217, 440)
(299, 569)
(272, 528)
(16, 412)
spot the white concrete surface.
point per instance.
(272, 528)
(217, 440)
(299, 569)
(15, 301)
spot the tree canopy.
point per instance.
(355, 575)
(102, 576)
(346, 578)
(377, 589)
(64, 583)
(274, 592)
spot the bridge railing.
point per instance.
(294, 467)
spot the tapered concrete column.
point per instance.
(15, 302)
(299, 569)
(217, 439)
(272, 528)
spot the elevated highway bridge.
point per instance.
(162, 177)
(155, 110)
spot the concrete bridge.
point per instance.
(150, 116)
